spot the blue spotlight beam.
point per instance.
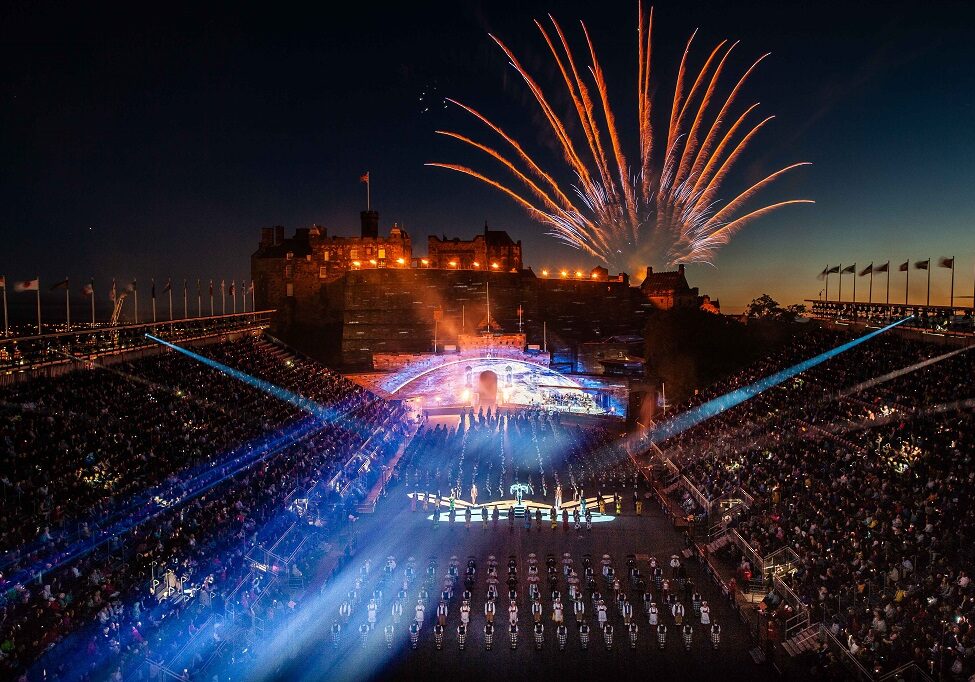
(715, 406)
(302, 403)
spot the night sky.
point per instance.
(155, 143)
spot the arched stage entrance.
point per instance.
(487, 388)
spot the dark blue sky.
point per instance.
(154, 143)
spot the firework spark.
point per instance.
(666, 209)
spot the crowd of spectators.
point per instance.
(864, 467)
(151, 440)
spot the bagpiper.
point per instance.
(388, 634)
(705, 614)
(584, 635)
(539, 631)
(414, 634)
(608, 636)
(371, 613)
(488, 636)
(661, 636)
(336, 634)
(462, 636)
(438, 636)
(363, 633)
(396, 611)
(687, 634)
(562, 635)
(634, 631)
(513, 635)
(715, 635)
(696, 604)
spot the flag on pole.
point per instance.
(233, 287)
(131, 287)
(882, 268)
(903, 266)
(168, 287)
(364, 177)
(250, 289)
(3, 282)
(833, 270)
(27, 285)
(88, 289)
(946, 263)
(63, 284)
(211, 288)
(849, 269)
(922, 264)
(867, 270)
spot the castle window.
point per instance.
(325, 253)
(382, 254)
(290, 291)
(354, 254)
(289, 255)
(289, 271)
(322, 272)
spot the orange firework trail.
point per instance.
(658, 210)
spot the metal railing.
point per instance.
(21, 355)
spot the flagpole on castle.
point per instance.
(6, 323)
(39, 332)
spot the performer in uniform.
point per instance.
(687, 634)
(438, 635)
(558, 612)
(653, 614)
(488, 636)
(539, 630)
(562, 635)
(396, 611)
(345, 612)
(489, 609)
(419, 613)
(465, 613)
(364, 634)
(661, 636)
(601, 613)
(715, 635)
(336, 634)
(579, 608)
(513, 613)
(677, 610)
(705, 614)
(584, 635)
(473, 494)
(634, 631)
(513, 635)
(537, 611)
(388, 635)
(414, 634)
(608, 636)
(442, 612)
(462, 636)
(371, 611)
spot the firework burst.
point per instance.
(666, 207)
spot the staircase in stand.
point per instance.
(805, 640)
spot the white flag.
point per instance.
(28, 285)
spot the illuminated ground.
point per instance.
(395, 530)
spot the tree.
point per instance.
(764, 306)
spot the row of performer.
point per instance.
(585, 635)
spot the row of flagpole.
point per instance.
(115, 296)
(905, 267)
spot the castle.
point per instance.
(345, 299)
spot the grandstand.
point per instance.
(164, 519)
